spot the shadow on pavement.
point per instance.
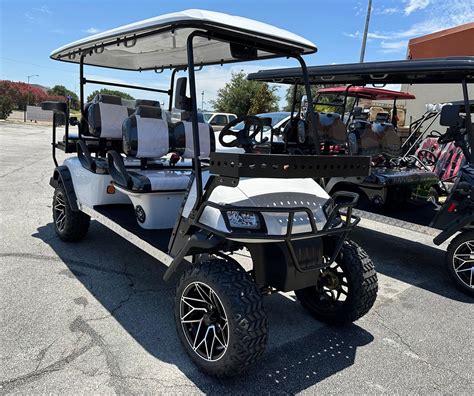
(409, 261)
(129, 284)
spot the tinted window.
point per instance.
(219, 120)
(232, 117)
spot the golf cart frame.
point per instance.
(288, 251)
(456, 215)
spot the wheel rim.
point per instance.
(204, 321)
(332, 288)
(59, 212)
(463, 263)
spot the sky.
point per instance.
(30, 30)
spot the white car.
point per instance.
(218, 120)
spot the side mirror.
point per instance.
(57, 107)
(450, 116)
(73, 121)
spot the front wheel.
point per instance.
(345, 291)
(220, 317)
(69, 225)
(460, 261)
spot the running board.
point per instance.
(406, 225)
(127, 235)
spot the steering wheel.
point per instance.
(245, 137)
(427, 157)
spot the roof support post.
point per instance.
(469, 130)
(194, 120)
(310, 112)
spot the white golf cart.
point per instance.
(453, 215)
(127, 175)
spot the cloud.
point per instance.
(388, 11)
(439, 15)
(388, 47)
(43, 10)
(414, 5)
(91, 30)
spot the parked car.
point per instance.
(219, 120)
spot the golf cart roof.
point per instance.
(160, 42)
(420, 71)
(368, 93)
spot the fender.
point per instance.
(62, 176)
(453, 227)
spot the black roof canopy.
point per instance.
(420, 71)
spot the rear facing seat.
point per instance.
(147, 135)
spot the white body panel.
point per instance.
(91, 188)
(161, 208)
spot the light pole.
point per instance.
(28, 94)
(202, 100)
(366, 30)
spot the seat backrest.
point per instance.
(367, 141)
(400, 117)
(373, 111)
(106, 115)
(391, 144)
(146, 133)
(183, 142)
(330, 128)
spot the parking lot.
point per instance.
(96, 316)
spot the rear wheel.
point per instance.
(70, 225)
(346, 290)
(220, 318)
(460, 261)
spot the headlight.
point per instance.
(238, 219)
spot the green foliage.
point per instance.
(61, 90)
(7, 94)
(106, 91)
(300, 92)
(241, 96)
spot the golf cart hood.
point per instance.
(160, 42)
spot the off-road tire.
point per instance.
(75, 224)
(461, 239)
(242, 302)
(362, 287)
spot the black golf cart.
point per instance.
(456, 214)
(125, 172)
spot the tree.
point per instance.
(6, 99)
(300, 92)
(240, 95)
(264, 100)
(61, 90)
(105, 91)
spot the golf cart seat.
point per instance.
(104, 117)
(391, 143)
(331, 129)
(362, 139)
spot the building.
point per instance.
(456, 41)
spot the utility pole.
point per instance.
(202, 100)
(366, 31)
(28, 94)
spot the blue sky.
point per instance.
(30, 30)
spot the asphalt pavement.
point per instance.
(96, 316)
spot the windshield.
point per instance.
(207, 116)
